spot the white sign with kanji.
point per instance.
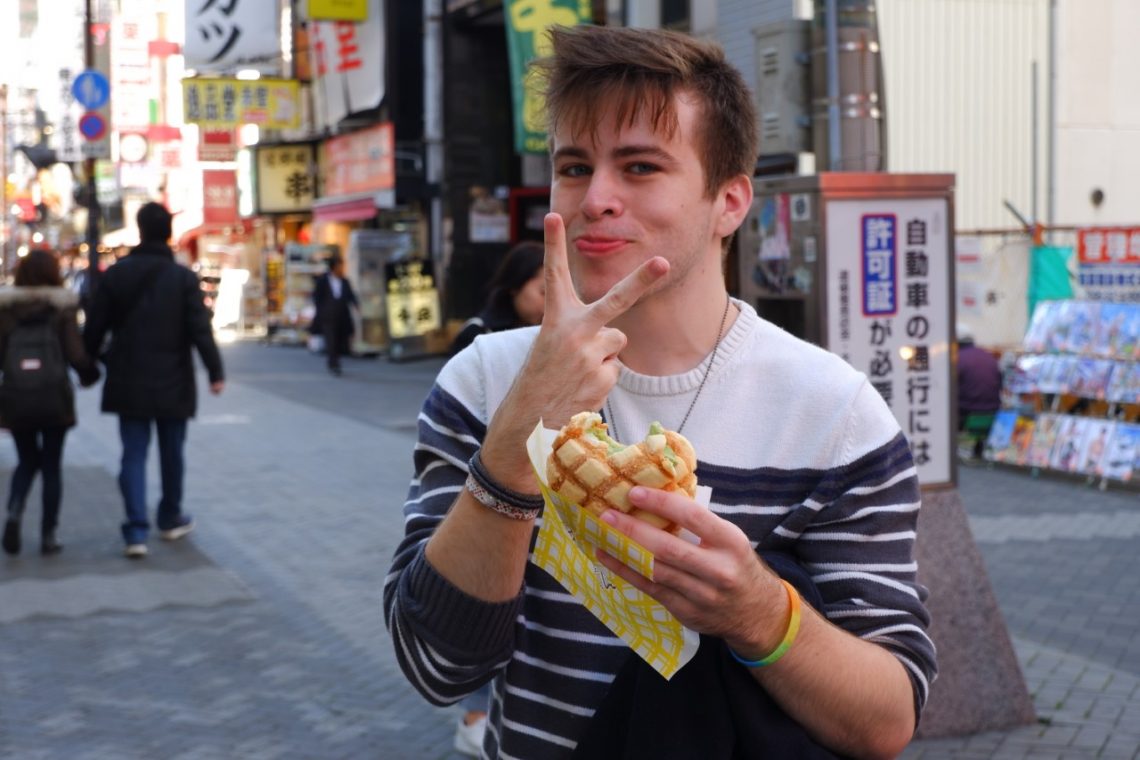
(888, 314)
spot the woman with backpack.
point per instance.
(39, 337)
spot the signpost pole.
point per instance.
(93, 210)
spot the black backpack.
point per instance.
(35, 390)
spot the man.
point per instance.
(334, 298)
(979, 386)
(154, 311)
(653, 142)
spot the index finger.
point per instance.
(555, 268)
(625, 294)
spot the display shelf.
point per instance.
(1071, 396)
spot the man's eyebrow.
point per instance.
(649, 151)
(569, 152)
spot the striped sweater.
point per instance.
(799, 451)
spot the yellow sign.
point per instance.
(565, 548)
(412, 299)
(338, 10)
(225, 102)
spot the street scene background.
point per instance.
(261, 634)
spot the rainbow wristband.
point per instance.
(789, 634)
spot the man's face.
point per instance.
(632, 194)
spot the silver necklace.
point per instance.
(716, 347)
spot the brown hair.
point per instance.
(645, 69)
(39, 267)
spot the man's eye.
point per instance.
(574, 170)
(642, 168)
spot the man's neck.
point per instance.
(674, 330)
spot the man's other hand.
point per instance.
(216, 388)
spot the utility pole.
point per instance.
(92, 200)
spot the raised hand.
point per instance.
(573, 363)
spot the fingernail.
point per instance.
(637, 493)
(609, 518)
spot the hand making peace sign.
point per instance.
(573, 363)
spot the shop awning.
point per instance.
(352, 208)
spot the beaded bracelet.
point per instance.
(789, 634)
(499, 498)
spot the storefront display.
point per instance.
(1072, 395)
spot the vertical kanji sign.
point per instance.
(889, 314)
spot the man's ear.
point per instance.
(736, 200)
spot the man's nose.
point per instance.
(602, 196)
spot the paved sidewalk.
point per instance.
(260, 634)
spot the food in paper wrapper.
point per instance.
(588, 468)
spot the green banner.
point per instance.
(1049, 277)
(527, 22)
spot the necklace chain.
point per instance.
(712, 359)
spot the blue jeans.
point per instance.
(135, 435)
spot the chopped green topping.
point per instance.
(601, 435)
(656, 429)
(670, 455)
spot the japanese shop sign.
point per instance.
(338, 10)
(527, 39)
(222, 102)
(285, 178)
(358, 162)
(217, 144)
(1109, 263)
(413, 300)
(219, 196)
(349, 60)
(888, 314)
(224, 34)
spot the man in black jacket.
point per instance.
(334, 298)
(154, 311)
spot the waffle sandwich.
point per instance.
(588, 468)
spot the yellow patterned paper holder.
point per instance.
(565, 549)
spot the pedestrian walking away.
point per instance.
(39, 338)
(802, 579)
(334, 299)
(152, 309)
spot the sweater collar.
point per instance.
(745, 325)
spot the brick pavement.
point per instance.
(260, 635)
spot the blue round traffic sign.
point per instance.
(92, 126)
(91, 89)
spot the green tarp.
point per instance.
(1049, 277)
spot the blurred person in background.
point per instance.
(979, 383)
(333, 299)
(153, 309)
(39, 337)
(517, 296)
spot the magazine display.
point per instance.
(1080, 357)
(1122, 457)
(1044, 436)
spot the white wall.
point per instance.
(1098, 111)
(958, 99)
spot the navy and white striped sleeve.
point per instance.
(447, 643)
(860, 546)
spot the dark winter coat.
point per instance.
(327, 307)
(979, 380)
(153, 309)
(18, 304)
